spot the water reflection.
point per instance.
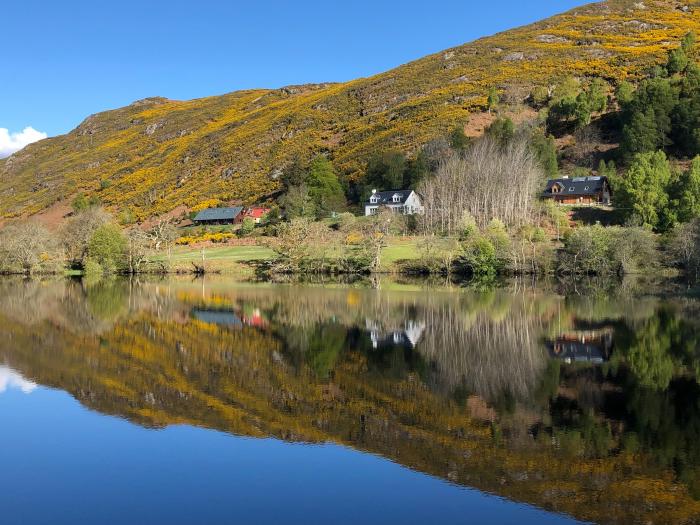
(588, 405)
(11, 379)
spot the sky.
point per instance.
(63, 61)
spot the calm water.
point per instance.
(208, 401)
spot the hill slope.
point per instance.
(156, 154)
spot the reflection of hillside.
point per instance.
(158, 366)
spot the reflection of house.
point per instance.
(219, 216)
(407, 202)
(249, 317)
(221, 317)
(579, 190)
(408, 335)
(583, 346)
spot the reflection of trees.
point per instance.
(491, 351)
(313, 375)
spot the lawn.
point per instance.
(398, 249)
(218, 253)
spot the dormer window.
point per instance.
(374, 199)
(571, 188)
(397, 197)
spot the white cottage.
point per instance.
(407, 202)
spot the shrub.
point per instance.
(247, 227)
(107, 247)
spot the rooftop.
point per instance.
(218, 214)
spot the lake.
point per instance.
(209, 401)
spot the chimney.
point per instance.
(374, 191)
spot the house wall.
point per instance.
(567, 199)
(411, 206)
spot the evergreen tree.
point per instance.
(324, 187)
(501, 129)
(546, 150)
(640, 133)
(385, 171)
(458, 139)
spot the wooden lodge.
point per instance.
(579, 190)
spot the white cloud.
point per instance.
(11, 379)
(11, 142)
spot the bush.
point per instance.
(595, 250)
(107, 247)
(247, 227)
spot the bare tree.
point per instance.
(375, 231)
(488, 181)
(24, 246)
(163, 235)
(76, 233)
(138, 248)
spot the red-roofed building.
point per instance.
(257, 213)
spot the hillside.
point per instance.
(157, 154)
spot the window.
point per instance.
(571, 188)
(373, 211)
(397, 198)
(587, 188)
(373, 199)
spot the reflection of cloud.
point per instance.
(11, 379)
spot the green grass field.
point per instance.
(219, 253)
(229, 258)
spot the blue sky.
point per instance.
(65, 60)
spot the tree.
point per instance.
(163, 235)
(684, 246)
(487, 181)
(624, 93)
(75, 235)
(688, 193)
(643, 194)
(107, 247)
(375, 231)
(458, 139)
(546, 151)
(136, 249)
(324, 187)
(385, 171)
(297, 202)
(597, 95)
(586, 251)
(677, 61)
(492, 100)
(502, 130)
(640, 134)
(294, 174)
(647, 119)
(247, 226)
(24, 246)
(416, 170)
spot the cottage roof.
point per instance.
(387, 197)
(218, 214)
(577, 186)
(257, 212)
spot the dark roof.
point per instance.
(577, 186)
(387, 197)
(218, 214)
